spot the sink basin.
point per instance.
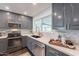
(35, 36)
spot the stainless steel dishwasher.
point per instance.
(38, 49)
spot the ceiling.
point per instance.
(30, 9)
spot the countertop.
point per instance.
(3, 37)
(68, 51)
(45, 40)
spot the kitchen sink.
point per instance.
(35, 36)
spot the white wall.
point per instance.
(43, 13)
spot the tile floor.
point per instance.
(23, 52)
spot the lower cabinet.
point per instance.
(37, 48)
(24, 40)
(29, 43)
(3, 45)
(53, 52)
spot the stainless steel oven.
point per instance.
(14, 42)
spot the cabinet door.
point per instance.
(68, 14)
(58, 12)
(53, 52)
(23, 22)
(74, 23)
(3, 20)
(58, 15)
(13, 18)
(3, 45)
(34, 46)
(26, 22)
(29, 22)
(24, 40)
(29, 43)
(50, 52)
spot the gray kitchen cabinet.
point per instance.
(29, 22)
(68, 15)
(58, 15)
(37, 48)
(65, 16)
(29, 43)
(74, 23)
(3, 45)
(24, 41)
(13, 18)
(53, 52)
(26, 22)
(3, 20)
(8, 17)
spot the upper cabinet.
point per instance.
(12, 17)
(65, 16)
(26, 22)
(74, 23)
(8, 17)
(3, 20)
(58, 15)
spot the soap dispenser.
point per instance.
(59, 37)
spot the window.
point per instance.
(47, 24)
(44, 24)
(37, 25)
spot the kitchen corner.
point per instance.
(43, 29)
(45, 40)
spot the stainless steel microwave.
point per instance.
(14, 25)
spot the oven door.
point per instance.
(14, 44)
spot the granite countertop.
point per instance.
(68, 51)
